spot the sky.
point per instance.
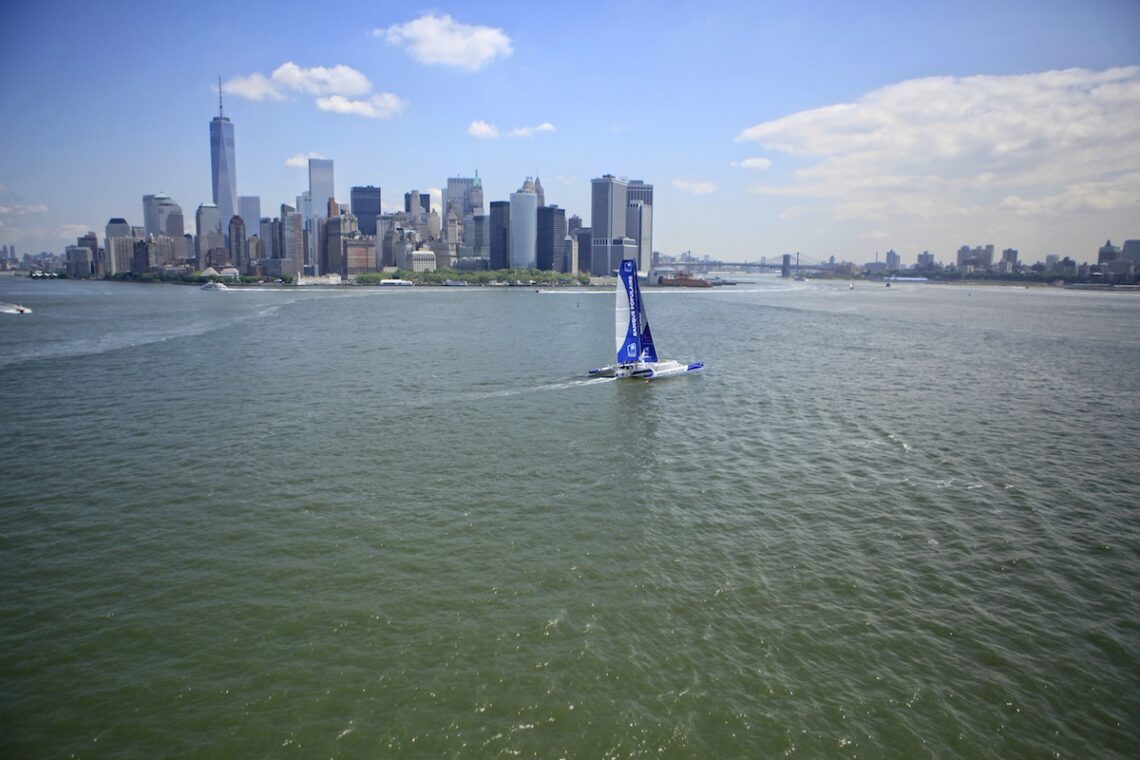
(825, 128)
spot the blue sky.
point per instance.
(819, 127)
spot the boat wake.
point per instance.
(14, 308)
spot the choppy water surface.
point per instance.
(372, 523)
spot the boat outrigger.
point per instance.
(636, 354)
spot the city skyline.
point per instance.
(1017, 126)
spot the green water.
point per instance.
(401, 523)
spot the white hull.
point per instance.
(647, 370)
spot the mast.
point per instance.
(221, 113)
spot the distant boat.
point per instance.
(14, 308)
(455, 283)
(215, 286)
(636, 354)
(397, 283)
(851, 286)
(683, 280)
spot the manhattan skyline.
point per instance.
(819, 129)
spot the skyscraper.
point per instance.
(364, 203)
(321, 188)
(223, 170)
(524, 227)
(639, 226)
(249, 209)
(500, 234)
(238, 251)
(609, 201)
(551, 241)
(613, 222)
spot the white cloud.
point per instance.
(436, 198)
(22, 209)
(441, 40)
(338, 89)
(486, 131)
(321, 80)
(301, 160)
(545, 126)
(700, 187)
(977, 148)
(382, 106)
(72, 231)
(253, 87)
(754, 163)
(482, 129)
(315, 80)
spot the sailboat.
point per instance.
(636, 354)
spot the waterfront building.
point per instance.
(499, 235)
(639, 226)
(570, 255)
(117, 227)
(223, 168)
(80, 261)
(1131, 251)
(120, 252)
(236, 244)
(209, 234)
(583, 236)
(364, 202)
(1009, 260)
(477, 238)
(609, 203)
(894, 261)
(524, 227)
(249, 209)
(1107, 253)
(925, 261)
(551, 240)
(414, 210)
(539, 192)
(316, 205)
(150, 212)
(978, 257)
(337, 230)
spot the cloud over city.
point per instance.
(443, 41)
(337, 89)
(485, 131)
(696, 186)
(1033, 144)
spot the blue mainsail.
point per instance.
(634, 341)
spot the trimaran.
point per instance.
(636, 354)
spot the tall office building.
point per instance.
(249, 209)
(223, 170)
(894, 261)
(321, 191)
(209, 231)
(539, 192)
(609, 202)
(639, 226)
(524, 227)
(551, 242)
(610, 219)
(236, 245)
(499, 234)
(150, 213)
(365, 205)
(583, 235)
(415, 212)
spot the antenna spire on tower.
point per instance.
(221, 114)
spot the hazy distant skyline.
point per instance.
(765, 128)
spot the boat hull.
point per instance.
(647, 370)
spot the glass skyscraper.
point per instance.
(365, 205)
(524, 229)
(222, 167)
